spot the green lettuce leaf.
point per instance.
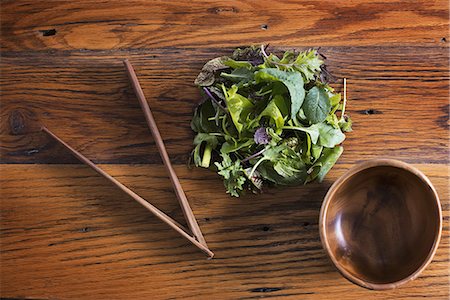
(229, 146)
(239, 75)
(324, 164)
(281, 165)
(238, 106)
(312, 130)
(329, 136)
(201, 122)
(292, 80)
(237, 64)
(210, 142)
(273, 112)
(316, 105)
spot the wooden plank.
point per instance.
(68, 234)
(398, 99)
(105, 25)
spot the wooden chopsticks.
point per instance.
(158, 213)
(187, 211)
(197, 239)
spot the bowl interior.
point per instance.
(381, 224)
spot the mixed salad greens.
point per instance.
(267, 120)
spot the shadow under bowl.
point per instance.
(381, 223)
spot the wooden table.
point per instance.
(66, 233)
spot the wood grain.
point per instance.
(67, 234)
(70, 234)
(395, 96)
(106, 25)
(151, 208)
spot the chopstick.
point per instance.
(158, 213)
(187, 211)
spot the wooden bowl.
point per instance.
(381, 223)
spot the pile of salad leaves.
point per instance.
(268, 120)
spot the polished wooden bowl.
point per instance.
(381, 223)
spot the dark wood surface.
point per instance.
(66, 233)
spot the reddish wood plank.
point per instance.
(68, 234)
(105, 25)
(395, 97)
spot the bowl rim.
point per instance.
(334, 187)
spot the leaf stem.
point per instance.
(254, 155)
(206, 156)
(214, 99)
(295, 128)
(216, 134)
(213, 118)
(263, 51)
(345, 99)
(256, 165)
(224, 127)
